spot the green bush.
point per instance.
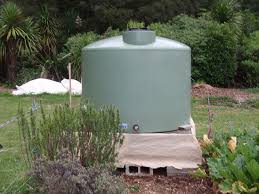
(110, 32)
(250, 22)
(74, 46)
(65, 176)
(135, 24)
(27, 74)
(213, 47)
(89, 134)
(190, 31)
(220, 52)
(248, 69)
(248, 73)
(28, 68)
(234, 168)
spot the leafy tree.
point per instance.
(17, 34)
(252, 5)
(98, 15)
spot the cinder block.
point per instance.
(132, 170)
(174, 171)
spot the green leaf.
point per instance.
(200, 173)
(15, 26)
(225, 186)
(239, 173)
(13, 33)
(9, 33)
(240, 187)
(253, 169)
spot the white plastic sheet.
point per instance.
(76, 86)
(41, 85)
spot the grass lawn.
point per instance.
(12, 164)
(224, 117)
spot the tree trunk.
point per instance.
(12, 60)
(3, 68)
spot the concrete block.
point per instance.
(132, 170)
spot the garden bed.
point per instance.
(180, 184)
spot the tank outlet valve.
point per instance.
(136, 128)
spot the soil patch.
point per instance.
(179, 184)
(5, 90)
(204, 90)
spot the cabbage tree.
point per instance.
(225, 10)
(17, 35)
(228, 11)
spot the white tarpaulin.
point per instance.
(41, 85)
(154, 150)
(76, 86)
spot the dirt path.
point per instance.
(181, 184)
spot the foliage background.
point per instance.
(219, 33)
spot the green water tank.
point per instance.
(148, 78)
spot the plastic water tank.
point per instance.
(148, 78)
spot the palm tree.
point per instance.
(48, 31)
(224, 10)
(17, 34)
(228, 11)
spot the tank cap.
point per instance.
(139, 36)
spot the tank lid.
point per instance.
(139, 36)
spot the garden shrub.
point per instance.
(74, 46)
(135, 24)
(27, 74)
(221, 47)
(250, 22)
(213, 47)
(111, 32)
(190, 31)
(248, 69)
(248, 73)
(89, 134)
(65, 176)
(234, 166)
